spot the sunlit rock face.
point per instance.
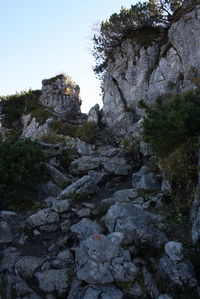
(61, 95)
(168, 64)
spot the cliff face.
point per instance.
(170, 63)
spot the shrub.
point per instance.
(167, 125)
(17, 104)
(21, 169)
(127, 23)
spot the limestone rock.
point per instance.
(174, 250)
(61, 206)
(86, 228)
(177, 274)
(53, 280)
(86, 185)
(96, 291)
(43, 217)
(137, 225)
(145, 180)
(99, 260)
(27, 265)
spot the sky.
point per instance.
(43, 38)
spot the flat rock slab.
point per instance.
(137, 225)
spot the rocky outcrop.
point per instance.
(167, 65)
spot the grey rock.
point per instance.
(135, 291)
(6, 235)
(145, 180)
(53, 280)
(94, 115)
(174, 250)
(84, 212)
(126, 195)
(11, 256)
(99, 260)
(86, 228)
(65, 226)
(86, 185)
(84, 164)
(177, 274)
(42, 217)
(164, 296)
(49, 228)
(61, 206)
(33, 129)
(137, 225)
(49, 201)
(95, 292)
(82, 147)
(145, 149)
(109, 153)
(116, 166)
(27, 265)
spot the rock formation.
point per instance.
(106, 224)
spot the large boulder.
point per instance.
(6, 235)
(99, 259)
(138, 226)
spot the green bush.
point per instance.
(17, 104)
(22, 167)
(167, 125)
(127, 25)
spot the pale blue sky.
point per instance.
(42, 38)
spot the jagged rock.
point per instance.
(109, 153)
(49, 201)
(42, 217)
(174, 250)
(94, 115)
(99, 260)
(145, 180)
(137, 225)
(33, 129)
(137, 72)
(53, 280)
(61, 95)
(6, 235)
(61, 206)
(177, 274)
(94, 291)
(86, 185)
(86, 228)
(28, 265)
